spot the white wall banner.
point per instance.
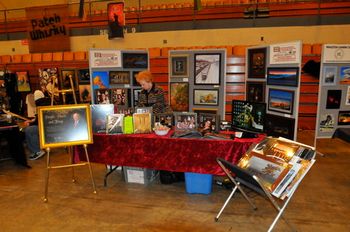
(336, 53)
(105, 59)
(285, 53)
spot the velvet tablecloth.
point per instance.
(165, 153)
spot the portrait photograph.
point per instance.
(66, 75)
(207, 69)
(120, 97)
(23, 84)
(344, 78)
(64, 125)
(256, 63)
(179, 96)
(205, 97)
(135, 60)
(344, 118)
(333, 99)
(255, 91)
(179, 66)
(84, 76)
(103, 96)
(119, 77)
(185, 121)
(329, 75)
(85, 93)
(281, 100)
(283, 76)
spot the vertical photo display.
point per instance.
(119, 77)
(288, 76)
(120, 96)
(85, 93)
(333, 99)
(280, 100)
(207, 69)
(257, 63)
(179, 96)
(100, 79)
(344, 78)
(255, 91)
(329, 75)
(205, 97)
(179, 65)
(102, 96)
(327, 122)
(23, 84)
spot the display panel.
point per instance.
(248, 116)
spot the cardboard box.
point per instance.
(139, 175)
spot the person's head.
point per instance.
(38, 94)
(145, 79)
(76, 116)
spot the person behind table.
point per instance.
(31, 131)
(150, 95)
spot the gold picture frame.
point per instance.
(64, 125)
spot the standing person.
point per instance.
(150, 95)
(32, 131)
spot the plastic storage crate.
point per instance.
(198, 183)
(139, 175)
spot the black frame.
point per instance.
(174, 72)
(257, 68)
(195, 70)
(206, 104)
(292, 81)
(255, 91)
(83, 76)
(281, 110)
(135, 60)
(279, 126)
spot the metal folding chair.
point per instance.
(238, 177)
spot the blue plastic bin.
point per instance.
(198, 183)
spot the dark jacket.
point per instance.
(46, 101)
(153, 98)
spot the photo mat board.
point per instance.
(207, 69)
(205, 97)
(64, 125)
(281, 100)
(135, 60)
(283, 76)
(329, 75)
(179, 65)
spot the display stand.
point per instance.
(250, 173)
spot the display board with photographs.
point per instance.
(334, 90)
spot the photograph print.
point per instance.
(102, 96)
(256, 62)
(279, 126)
(327, 122)
(344, 75)
(283, 76)
(255, 91)
(119, 96)
(208, 121)
(185, 121)
(135, 60)
(23, 84)
(281, 101)
(66, 76)
(179, 96)
(329, 75)
(207, 69)
(119, 77)
(114, 124)
(166, 119)
(344, 118)
(100, 79)
(84, 76)
(205, 97)
(333, 99)
(85, 93)
(179, 66)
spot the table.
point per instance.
(15, 143)
(165, 153)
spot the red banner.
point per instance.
(48, 29)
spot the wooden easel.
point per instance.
(63, 91)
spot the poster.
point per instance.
(336, 53)
(105, 59)
(286, 53)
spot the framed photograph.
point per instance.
(179, 96)
(66, 75)
(205, 97)
(64, 125)
(288, 76)
(102, 96)
(134, 81)
(281, 100)
(119, 77)
(327, 122)
(344, 78)
(255, 91)
(114, 124)
(347, 99)
(85, 93)
(329, 75)
(100, 80)
(279, 126)
(136, 93)
(206, 120)
(84, 76)
(164, 119)
(23, 84)
(185, 121)
(344, 118)
(142, 123)
(99, 115)
(257, 63)
(333, 99)
(120, 97)
(48, 78)
(135, 60)
(207, 69)
(179, 66)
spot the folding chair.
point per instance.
(238, 177)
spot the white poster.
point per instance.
(286, 53)
(105, 59)
(336, 53)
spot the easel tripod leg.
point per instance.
(47, 174)
(71, 160)
(226, 202)
(90, 169)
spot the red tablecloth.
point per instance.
(165, 153)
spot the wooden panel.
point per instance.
(159, 62)
(235, 78)
(230, 97)
(165, 51)
(307, 49)
(235, 60)
(307, 109)
(308, 98)
(309, 89)
(161, 78)
(307, 78)
(228, 117)
(240, 88)
(317, 49)
(159, 69)
(229, 51)
(306, 123)
(47, 57)
(235, 69)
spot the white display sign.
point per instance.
(105, 59)
(336, 53)
(286, 53)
